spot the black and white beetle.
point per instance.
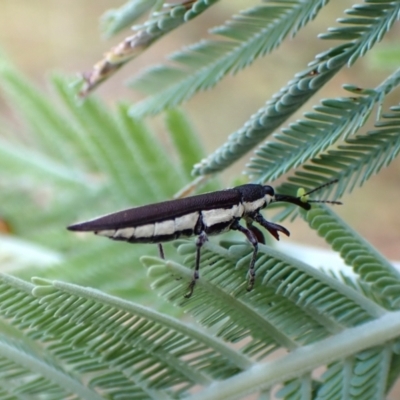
(201, 215)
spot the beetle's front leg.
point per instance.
(252, 238)
(272, 228)
(201, 239)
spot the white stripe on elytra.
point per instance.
(108, 233)
(186, 222)
(164, 228)
(169, 227)
(125, 233)
(145, 231)
(221, 215)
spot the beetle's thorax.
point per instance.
(255, 197)
(255, 205)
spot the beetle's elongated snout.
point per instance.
(291, 199)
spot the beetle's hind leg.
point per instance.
(252, 238)
(201, 239)
(257, 232)
(161, 251)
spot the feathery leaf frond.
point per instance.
(267, 374)
(247, 36)
(217, 282)
(352, 163)
(362, 32)
(61, 340)
(366, 261)
(333, 119)
(102, 338)
(159, 24)
(320, 303)
(24, 374)
(103, 160)
(114, 21)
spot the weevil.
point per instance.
(201, 215)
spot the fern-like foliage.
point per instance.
(253, 33)
(366, 25)
(82, 160)
(371, 266)
(332, 120)
(315, 301)
(317, 305)
(359, 158)
(113, 21)
(301, 333)
(101, 346)
(114, 348)
(160, 23)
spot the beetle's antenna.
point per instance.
(339, 203)
(303, 197)
(302, 200)
(322, 186)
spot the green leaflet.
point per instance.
(115, 20)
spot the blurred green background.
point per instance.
(42, 36)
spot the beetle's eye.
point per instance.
(269, 190)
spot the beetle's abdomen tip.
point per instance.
(80, 227)
(72, 228)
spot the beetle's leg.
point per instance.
(259, 235)
(161, 251)
(201, 239)
(252, 238)
(272, 228)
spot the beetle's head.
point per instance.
(269, 194)
(302, 199)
